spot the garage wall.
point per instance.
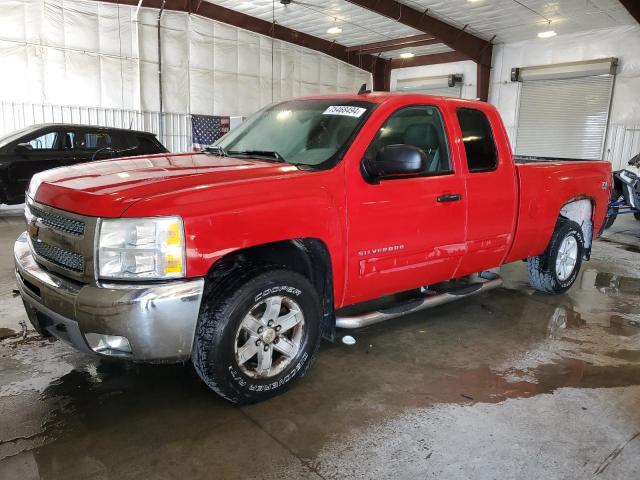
(59, 54)
(623, 138)
(468, 69)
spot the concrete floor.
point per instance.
(510, 384)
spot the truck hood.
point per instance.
(107, 188)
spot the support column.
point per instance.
(382, 75)
(483, 79)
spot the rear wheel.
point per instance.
(257, 336)
(557, 268)
(637, 215)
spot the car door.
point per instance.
(410, 231)
(491, 188)
(48, 148)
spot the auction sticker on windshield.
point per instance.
(345, 110)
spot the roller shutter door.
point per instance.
(564, 117)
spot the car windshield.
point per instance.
(301, 132)
(16, 134)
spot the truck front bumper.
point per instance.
(152, 322)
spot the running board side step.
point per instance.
(482, 282)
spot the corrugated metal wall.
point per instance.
(623, 142)
(177, 126)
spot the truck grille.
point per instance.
(64, 258)
(58, 222)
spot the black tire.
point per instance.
(543, 275)
(613, 211)
(636, 216)
(221, 314)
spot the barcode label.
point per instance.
(345, 110)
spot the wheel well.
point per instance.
(307, 256)
(581, 211)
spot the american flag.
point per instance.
(206, 129)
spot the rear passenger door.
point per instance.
(409, 231)
(491, 188)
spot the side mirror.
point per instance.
(23, 148)
(397, 161)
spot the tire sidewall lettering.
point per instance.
(278, 289)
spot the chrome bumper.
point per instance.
(159, 320)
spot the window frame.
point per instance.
(493, 141)
(42, 133)
(445, 133)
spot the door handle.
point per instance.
(449, 197)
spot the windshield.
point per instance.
(302, 132)
(16, 134)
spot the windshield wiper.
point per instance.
(217, 149)
(272, 154)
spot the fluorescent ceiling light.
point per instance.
(547, 34)
(407, 55)
(334, 30)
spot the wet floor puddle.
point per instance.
(503, 345)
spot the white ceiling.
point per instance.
(508, 20)
(512, 20)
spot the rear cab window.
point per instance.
(479, 144)
(146, 145)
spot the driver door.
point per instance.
(410, 231)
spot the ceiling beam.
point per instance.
(369, 63)
(395, 44)
(474, 48)
(633, 6)
(434, 59)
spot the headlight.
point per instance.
(141, 248)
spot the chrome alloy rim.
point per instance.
(269, 337)
(567, 258)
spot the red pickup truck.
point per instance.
(308, 217)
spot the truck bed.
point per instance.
(545, 185)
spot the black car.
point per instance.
(30, 150)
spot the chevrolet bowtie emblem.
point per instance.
(33, 229)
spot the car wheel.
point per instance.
(258, 335)
(556, 270)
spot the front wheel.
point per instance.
(258, 335)
(556, 270)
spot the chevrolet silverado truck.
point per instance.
(315, 214)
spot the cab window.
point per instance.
(52, 141)
(479, 146)
(422, 127)
(96, 140)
